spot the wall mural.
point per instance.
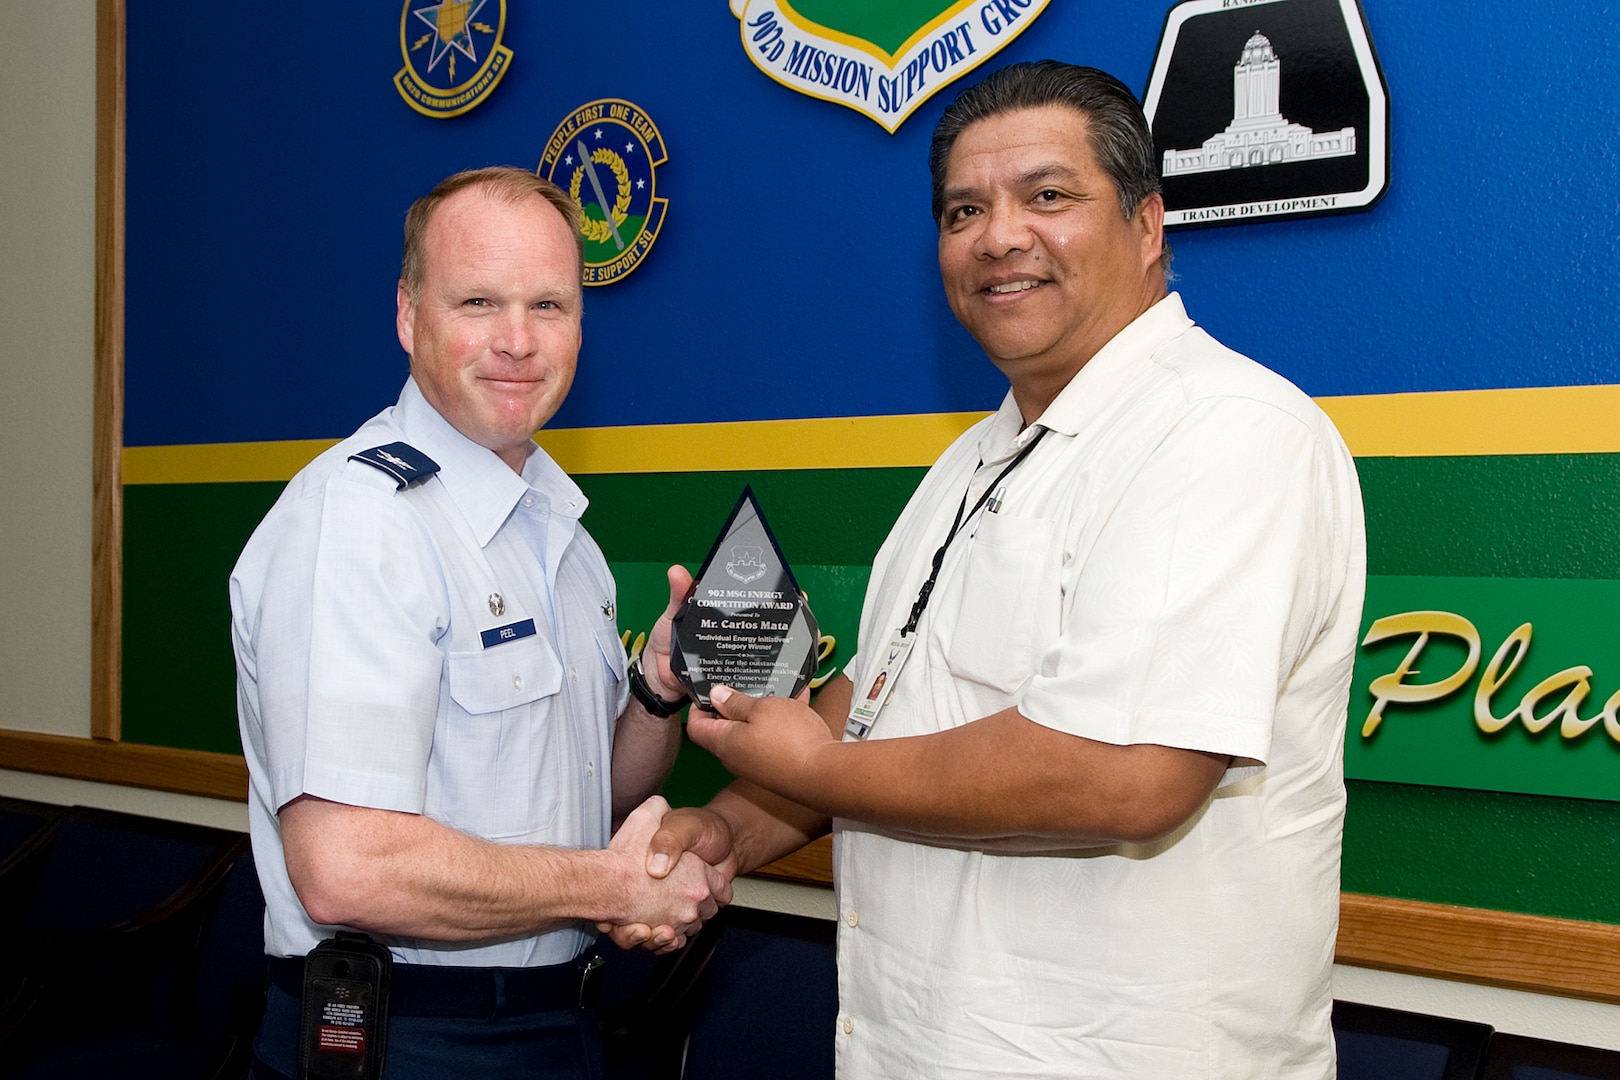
(755, 178)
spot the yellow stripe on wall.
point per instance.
(1467, 423)
(220, 463)
(1464, 423)
(851, 442)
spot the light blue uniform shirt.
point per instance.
(358, 615)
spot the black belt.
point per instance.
(432, 990)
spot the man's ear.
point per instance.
(405, 318)
(1150, 223)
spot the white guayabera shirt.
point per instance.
(1181, 561)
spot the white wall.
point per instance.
(47, 317)
(47, 342)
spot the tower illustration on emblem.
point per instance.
(1259, 134)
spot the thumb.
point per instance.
(682, 831)
(641, 823)
(680, 585)
(729, 703)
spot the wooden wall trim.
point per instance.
(107, 485)
(810, 865)
(1542, 955)
(1497, 948)
(162, 768)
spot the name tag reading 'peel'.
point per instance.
(500, 635)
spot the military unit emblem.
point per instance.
(942, 42)
(1268, 110)
(453, 54)
(747, 563)
(605, 155)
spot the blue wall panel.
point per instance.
(271, 161)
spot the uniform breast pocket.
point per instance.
(612, 648)
(500, 752)
(1009, 602)
(504, 676)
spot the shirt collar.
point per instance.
(1092, 387)
(1116, 364)
(481, 485)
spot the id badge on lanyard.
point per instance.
(865, 712)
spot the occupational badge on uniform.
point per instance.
(833, 60)
(497, 605)
(605, 154)
(453, 54)
(1268, 109)
(402, 461)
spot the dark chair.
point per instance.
(22, 821)
(769, 1000)
(1387, 1044)
(1517, 1057)
(649, 1004)
(110, 931)
(215, 1011)
(754, 994)
(26, 831)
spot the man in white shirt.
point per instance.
(439, 722)
(1090, 824)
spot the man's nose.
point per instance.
(514, 336)
(1004, 229)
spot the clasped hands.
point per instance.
(775, 742)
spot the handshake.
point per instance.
(677, 866)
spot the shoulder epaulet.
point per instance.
(404, 462)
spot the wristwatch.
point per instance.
(643, 693)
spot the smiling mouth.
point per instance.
(1013, 287)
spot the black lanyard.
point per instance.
(939, 556)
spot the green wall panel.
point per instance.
(829, 516)
(180, 542)
(1553, 516)
(1536, 515)
(1540, 856)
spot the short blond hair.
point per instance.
(500, 181)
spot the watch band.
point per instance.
(643, 693)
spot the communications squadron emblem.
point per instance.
(453, 54)
(604, 154)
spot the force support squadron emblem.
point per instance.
(453, 54)
(604, 154)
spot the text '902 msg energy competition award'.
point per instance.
(744, 624)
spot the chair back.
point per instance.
(1375, 1043)
(1518, 1057)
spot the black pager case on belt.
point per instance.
(344, 1021)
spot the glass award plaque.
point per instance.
(744, 623)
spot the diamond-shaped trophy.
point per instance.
(744, 623)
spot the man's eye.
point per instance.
(1048, 196)
(957, 213)
(477, 301)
